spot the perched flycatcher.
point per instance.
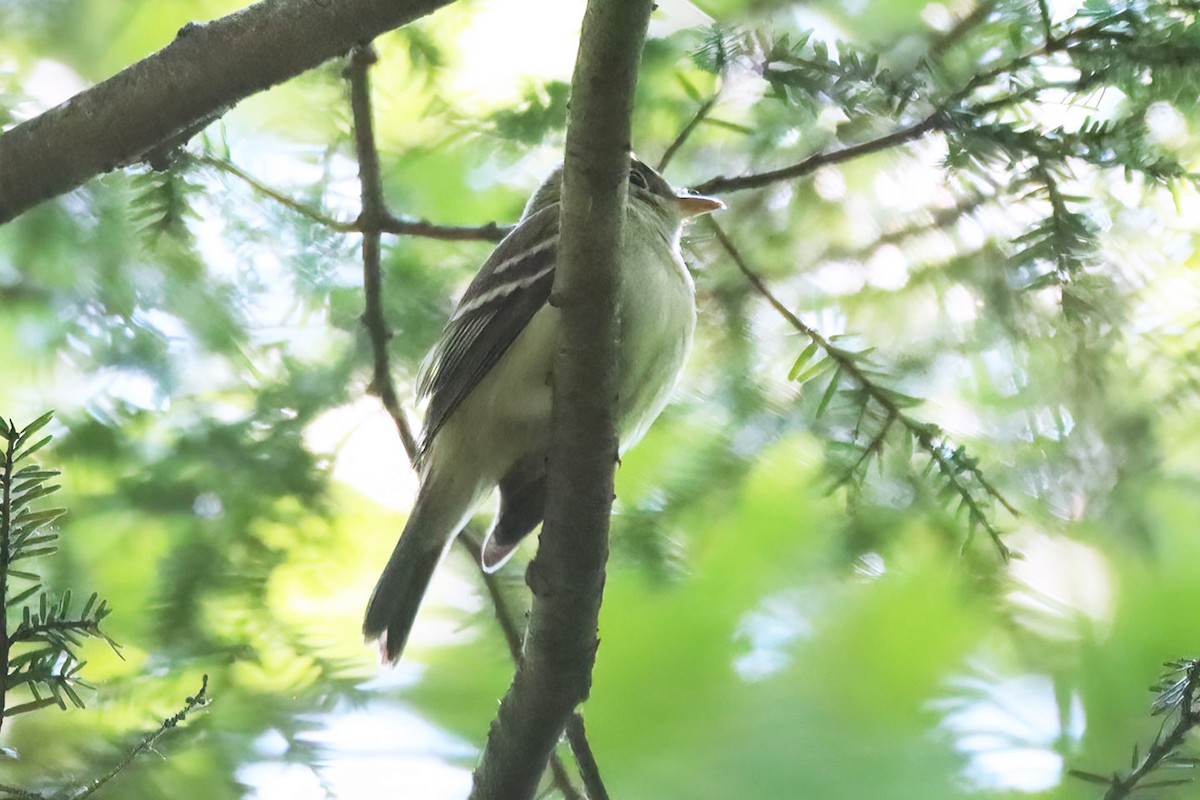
(488, 381)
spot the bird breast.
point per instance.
(657, 317)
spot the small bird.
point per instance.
(488, 380)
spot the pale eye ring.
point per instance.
(637, 179)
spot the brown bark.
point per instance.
(567, 575)
(166, 97)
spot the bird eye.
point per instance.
(637, 179)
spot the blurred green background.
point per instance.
(795, 607)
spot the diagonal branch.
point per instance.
(948, 459)
(957, 32)
(720, 184)
(146, 745)
(938, 119)
(1178, 698)
(303, 209)
(161, 100)
(387, 223)
(701, 113)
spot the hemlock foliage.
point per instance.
(949, 314)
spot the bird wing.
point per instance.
(511, 286)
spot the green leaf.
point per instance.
(32, 520)
(32, 705)
(689, 89)
(34, 493)
(33, 428)
(1090, 777)
(34, 553)
(29, 576)
(801, 360)
(830, 391)
(42, 443)
(813, 371)
(34, 471)
(717, 122)
(24, 595)
(71, 693)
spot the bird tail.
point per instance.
(431, 527)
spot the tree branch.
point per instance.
(1177, 697)
(163, 99)
(814, 162)
(588, 769)
(567, 575)
(371, 221)
(488, 232)
(199, 700)
(304, 210)
(928, 437)
(703, 111)
(387, 222)
(977, 16)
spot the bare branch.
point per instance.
(814, 162)
(164, 98)
(488, 232)
(277, 196)
(588, 769)
(387, 222)
(370, 222)
(686, 132)
(942, 44)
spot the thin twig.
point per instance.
(1180, 696)
(198, 701)
(925, 435)
(933, 122)
(691, 126)
(584, 758)
(1044, 14)
(489, 232)
(1164, 746)
(955, 34)
(388, 223)
(302, 209)
(374, 219)
(513, 632)
(370, 221)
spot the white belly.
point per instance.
(507, 416)
(657, 315)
